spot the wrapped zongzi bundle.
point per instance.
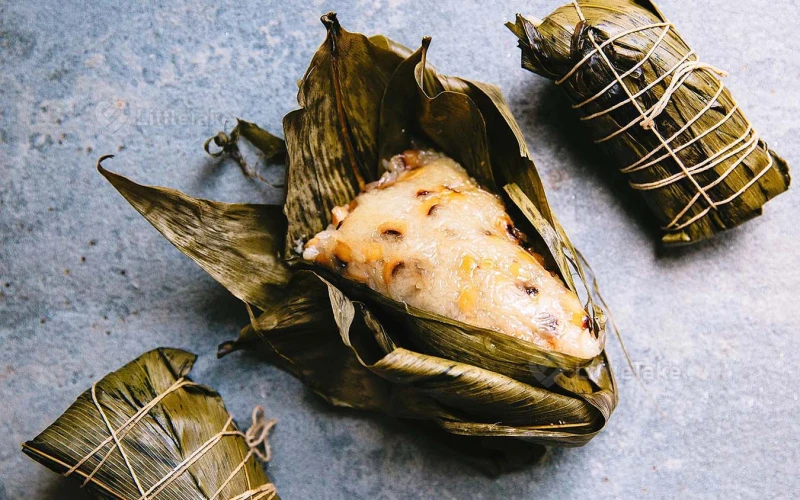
(664, 116)
(147, 431)
(416, 268)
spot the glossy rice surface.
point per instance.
(426, 234)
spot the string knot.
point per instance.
(682, 73)
(256, 436)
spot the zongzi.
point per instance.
(147, 431)
(663, 115)
(427, 235)
(494, 351)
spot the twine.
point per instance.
(255, 438)
(123, 429)
(679, 73)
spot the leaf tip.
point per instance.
(330, 21)
(516, 26)
(100, 160)
(535, 21)
(226, 348)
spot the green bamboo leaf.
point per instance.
(332, 138)
(388, 44)
(511, 160)
(184, 416)
(480, 396)
(239, 245)
(591, 381)
(366, 370)
(431, 111)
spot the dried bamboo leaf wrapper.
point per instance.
(334, 129)
(298, 333)
(462, 394)
(663, 116)
(364, 100)
(147, 431)
(239, 245)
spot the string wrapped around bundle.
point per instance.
(147, 431)
(663, 115)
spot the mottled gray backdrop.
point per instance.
(86, 284)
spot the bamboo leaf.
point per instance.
(158, 443)
(464, 393)
(511, 160)
(298, 333)
(362, 367)
(332, 139)
(239, 245)
(388, 44)
(272, 147)
(430, 110)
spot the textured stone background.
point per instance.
(87, 284)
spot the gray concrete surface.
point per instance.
(87, 284)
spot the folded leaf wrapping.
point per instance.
(362, 101)
(147, 431)
(662, 115)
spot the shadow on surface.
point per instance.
(59, 488)
(491, 457)
(717, 246)
(551, 111)
(220, 307)
(269, 189)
